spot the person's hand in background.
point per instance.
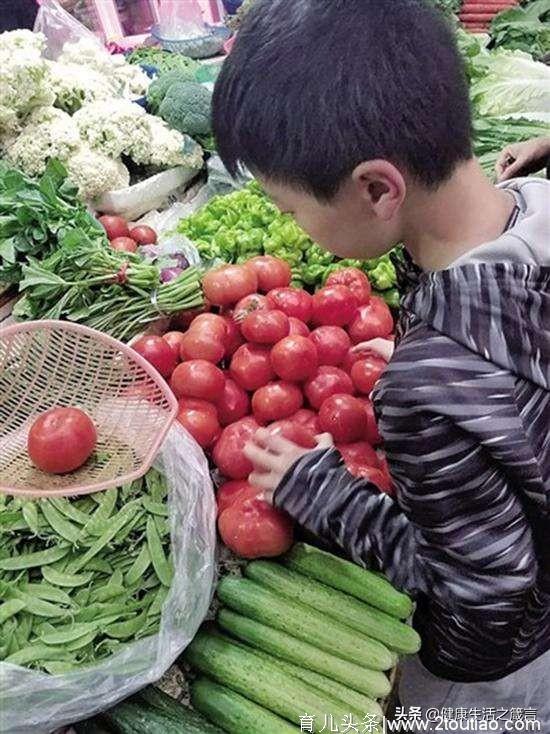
(382, 347)
(531, 156)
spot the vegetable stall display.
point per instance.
(311, 635)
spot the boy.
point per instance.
(355, 117)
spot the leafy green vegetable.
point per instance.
(115, 292)
(36, 215)
(52, 614)
(160, 86)
(524, 29)
(492, 135)
(245, 223)
(162, 60)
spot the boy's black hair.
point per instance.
(314, 87)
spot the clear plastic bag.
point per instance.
(36, 703)
(59, 27)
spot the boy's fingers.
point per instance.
(265, 481)
(324, 441)
(280, 445)
(260, 457)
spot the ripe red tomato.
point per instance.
(292, 301)
(355, 280)
(61, 440)
(276, 400)
(350, 359)
(251, 367)
(197, 379)
(200, 419)
(360, 452)
(228, 452)
(233, 404)
(334, 305)
(231, 491)
(365, 373)
(210, 323)
(226, 285)
(157, 352)
(248, 305)
(114, 226)
(372, 434)
(123, 244)
(332, 344)
(293, 431)
(308, 419)
(143, 235)
(252, 528)
(382, 480)
(294, 358)
(265, 327)
(174, 339)
(271, 272)
(297, 327)
(372, 320)
(233, 338)
(327, 381)
(343, 416)
(200, 344)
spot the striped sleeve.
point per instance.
(453, 441)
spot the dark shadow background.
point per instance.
(17, 14)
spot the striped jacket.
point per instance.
(464, 409)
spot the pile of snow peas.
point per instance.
(80, 578)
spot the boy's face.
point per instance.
(348, 225)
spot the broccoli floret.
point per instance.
(186, 107)
(160, 86)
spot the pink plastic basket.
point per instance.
(47, 364)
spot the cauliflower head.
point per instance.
(171, 148)
(23, 77)
(74, 85)
(94, 173)
(46, 135)
(125, 79)
(187, 108)
(116, 127)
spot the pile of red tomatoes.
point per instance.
(267, 354)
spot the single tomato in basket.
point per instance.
(61, 440)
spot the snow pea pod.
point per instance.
(139, 566)
(70, 580)
(70, 510)
(33, 560)
(34, 653)
(107, 502)
(130, 628)
(48, 593)
(67, 633)
(60, 524)
(116, 524)
(162, 567)
(38, 607)
(10, 609)
(30, 515)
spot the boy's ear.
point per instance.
(382, 185)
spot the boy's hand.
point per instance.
(272, 456)
(382, 347)
(520, 156)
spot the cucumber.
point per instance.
(260, 681)
(369, 682)
(309, 625)
(190, 721)
(235, 713)
(350, 578)
(91, 726)
(341, 607)
(353, 699)
(130, 717)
